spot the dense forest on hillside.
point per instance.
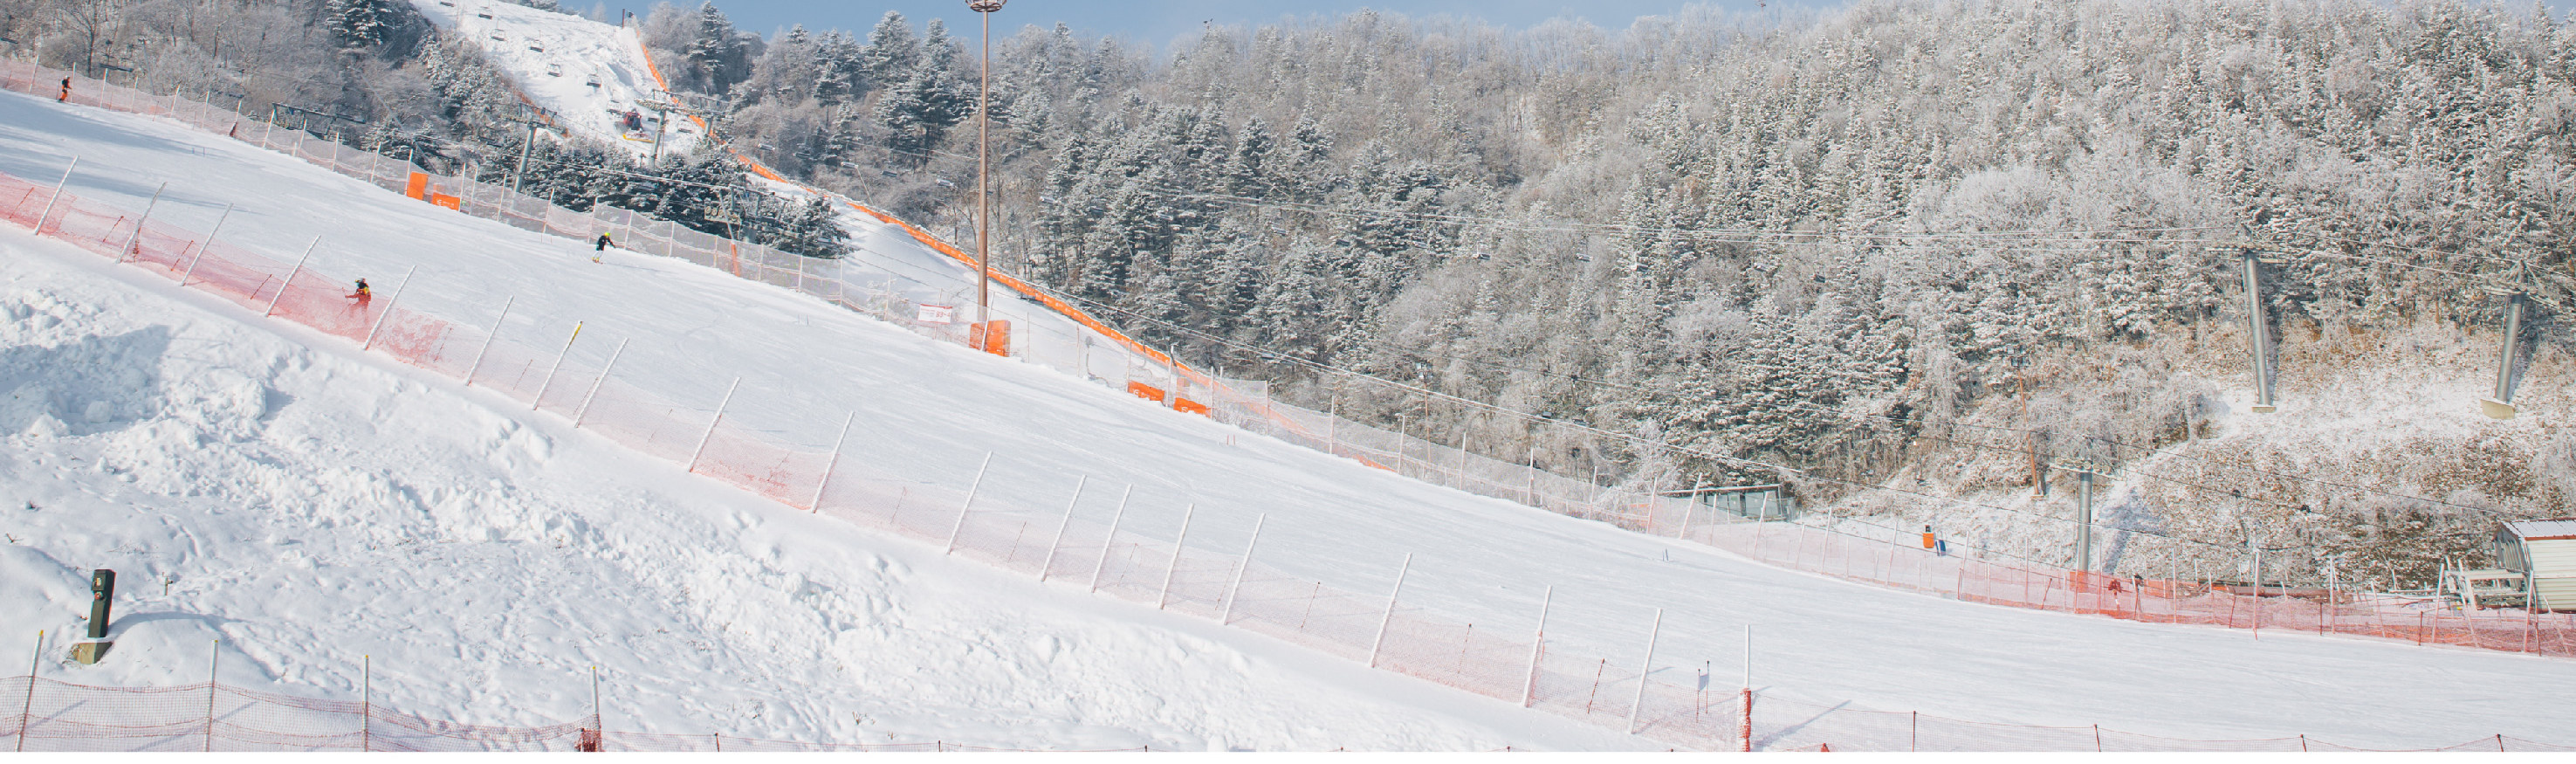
(1815, 240)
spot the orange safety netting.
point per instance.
(56, 716)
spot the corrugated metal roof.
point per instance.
(2537, 530)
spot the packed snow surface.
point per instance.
(310, 503)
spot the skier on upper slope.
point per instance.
(66, 95)
(600, 247)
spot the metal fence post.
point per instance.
(1173, 570)
(539, 399)
(1111, 543)
(834, 461)
(595, 384)
(1227, 614)
(1645, 670)
(701, 450)
(487, 340)
(1538, 641)
(969, 506)
(58, 196)
(1379, 643)
(282, 286)
(1049, 564)
(207, 246)
(137, 237)
(388, 312)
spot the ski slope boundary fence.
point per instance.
(761, 452)
(62, 716)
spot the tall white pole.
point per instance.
(137, 236)
(1173, 569)
(835, 461)
(1538, 641)
(540, 398)
(969, 506)
(1111, 544)
(487, 340)
(1069, 504)
(701, 450)
(209, 244)
(1389, 619)
(58, 195)
(379, 324)
(1227, 614)
(290, 278)
(1645, 670)
(579, 411)
(983, 196)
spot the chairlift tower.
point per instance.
(2254, 256)
(2085, 471)
(2501, 406)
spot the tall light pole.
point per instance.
(983, 172)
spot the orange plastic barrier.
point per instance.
(992, 337)
(418, 186)
(1145, 391)
(1188, 406)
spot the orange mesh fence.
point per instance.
(1889, 562)
(67, 717)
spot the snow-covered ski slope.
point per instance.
(260, 459)
(589, 74)
(309, 505)
(553, 58)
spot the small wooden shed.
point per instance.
(2544, 552)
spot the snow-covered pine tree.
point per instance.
(357, 24)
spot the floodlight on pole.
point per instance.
(983, 171)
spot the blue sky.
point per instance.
(1157, 22)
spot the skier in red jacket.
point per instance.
(363, 295)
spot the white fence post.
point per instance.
(1538, 641)
(1227, 614)
(584, 408)
(962, 509)
(388, 312)
(1644, 670)
(540, 398)
(1112, 543)
(488, 338)
(137, 237)
(1380, 642)
(701, 450)
(58, 195)
(833, 462)
(1069, 504)
(1174, 569)
(282, 286)
(209, 244)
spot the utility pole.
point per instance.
(984, 10)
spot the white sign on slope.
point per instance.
(937, 314)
